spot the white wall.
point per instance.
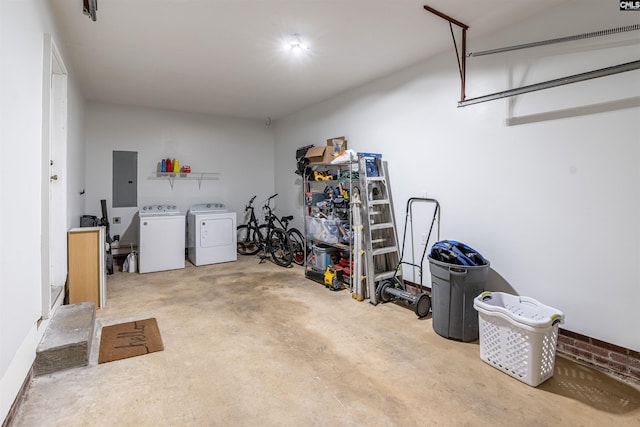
(21, 80)
(22, 28)
(554, 203)
(240, 150)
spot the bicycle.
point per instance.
(252, 237)
(298, 242)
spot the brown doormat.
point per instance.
(129, 339)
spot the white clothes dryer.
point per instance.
(211, 234)
(161, 238)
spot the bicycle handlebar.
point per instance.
(246, 208)
(268, 201)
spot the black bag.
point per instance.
(88, 221)
(302, 163)
(453, 252)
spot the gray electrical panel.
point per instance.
(125, 179)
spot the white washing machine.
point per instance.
(211, 234)
(161, 243)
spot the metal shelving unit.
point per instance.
(328, 219)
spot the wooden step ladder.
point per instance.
(382, 253)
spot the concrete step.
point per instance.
(67, 341)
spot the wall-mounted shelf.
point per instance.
(193, 176)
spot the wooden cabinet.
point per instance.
(87, 272)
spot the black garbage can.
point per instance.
(453, 288)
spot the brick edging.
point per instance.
(601, 355)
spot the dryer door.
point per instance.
(216, 232)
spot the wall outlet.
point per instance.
(423, 239)
(116, 220)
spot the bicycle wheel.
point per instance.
(297, 246)
(280, 247)
(248, 240)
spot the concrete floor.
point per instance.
(255, 344)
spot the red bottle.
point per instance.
(169, 165)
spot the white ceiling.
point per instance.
(225, 57)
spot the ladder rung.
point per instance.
(374, 178)
(387, 250)
(381, 226)
(374, 241)
(384, 275)
(379, 202)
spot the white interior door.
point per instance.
(58, 163)
(54, 198)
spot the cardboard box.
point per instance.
(316, 155)
(324, 154)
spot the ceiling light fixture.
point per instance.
(296, 45)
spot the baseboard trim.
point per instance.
(18, 374)
(22, 393)
(20, 371)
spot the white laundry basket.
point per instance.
(518, 335)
